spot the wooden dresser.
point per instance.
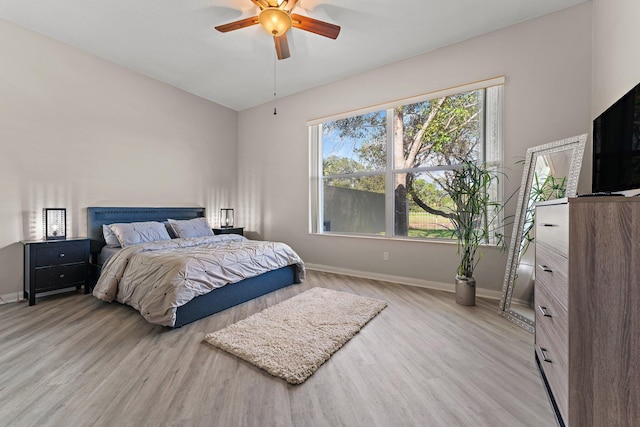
(587, 300)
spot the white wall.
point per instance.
(547, 64)
(616, 51)
(77, 131)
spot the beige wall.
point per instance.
(615, 62)
(547, 64)
(616, 51)
(77, 131)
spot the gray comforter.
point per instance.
(155, 278)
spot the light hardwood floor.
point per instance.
(72, 360)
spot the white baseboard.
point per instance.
(11, 297)
(17, 296)
(410, 281)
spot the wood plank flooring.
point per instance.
(72, 360)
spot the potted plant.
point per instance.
(472, 215)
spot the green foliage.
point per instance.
(371, 126)
(447, 129)
(430, 193)
(548, 189)
(335, 165)
(440, 233)
(473, 212)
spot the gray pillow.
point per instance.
(139, 232)
(191, 227)
(110, 239)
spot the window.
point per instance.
(380, 171)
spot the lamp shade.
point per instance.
(275, 21)
(226, 217)
(55, 223)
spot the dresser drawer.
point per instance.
(553, 355)
(552, 227)
(61, 253)
(557, 375)
(552, 273)
(552, 323)
(59, 276)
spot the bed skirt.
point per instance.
(234, 294)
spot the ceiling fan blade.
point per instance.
(282, 46)
(236, 25)
(262, 4)
(315, 26)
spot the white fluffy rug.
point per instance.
(292, 339)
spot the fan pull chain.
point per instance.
(275, 78)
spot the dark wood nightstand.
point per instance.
(55, 264)
(229, 230)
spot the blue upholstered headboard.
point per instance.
(97, 216)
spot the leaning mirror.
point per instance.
(551, 171)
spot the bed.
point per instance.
(254, 284)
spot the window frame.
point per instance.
(489, 154)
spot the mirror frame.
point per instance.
(577, 144)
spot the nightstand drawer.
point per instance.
(228, 230)
(57, 277)
(60, 253)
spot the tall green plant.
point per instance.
(474, 212)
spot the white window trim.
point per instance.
(491, 131)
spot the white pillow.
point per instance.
(110, 239)
(139, 232)
(191, 227)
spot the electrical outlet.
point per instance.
(385, 256)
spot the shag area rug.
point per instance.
(292, 339)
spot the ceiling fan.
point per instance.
(276, 18)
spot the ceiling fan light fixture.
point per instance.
(276, 18)
(275, 21)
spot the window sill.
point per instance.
(397, 239)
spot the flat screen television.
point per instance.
(616, 145)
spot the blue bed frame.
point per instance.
(204, 305)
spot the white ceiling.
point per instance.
(174, 41)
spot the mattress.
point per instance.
(106, 253)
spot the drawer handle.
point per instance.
(544, 355)
(544, 311)
(61, 255)
(545, 268)
(62, 276)
(549, 225)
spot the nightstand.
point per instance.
(229, 230)
(55, 264)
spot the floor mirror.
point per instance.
(551, 171)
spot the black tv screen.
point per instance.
(616, 145)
